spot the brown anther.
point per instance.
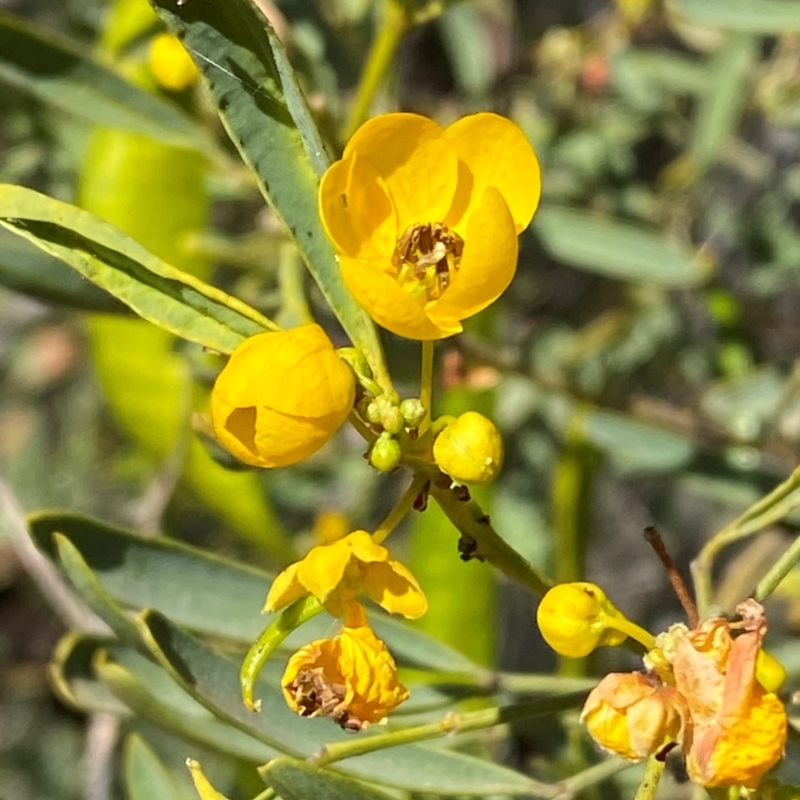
(316, 697)
(433, 251)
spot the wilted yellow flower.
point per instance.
(281, 396)
(351, 678)
(739, 727)
(335, 573)
(635, 715)
(425, 220)
(575, 618)
(171, 65)
(469, 449)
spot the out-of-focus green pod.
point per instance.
(156, 194)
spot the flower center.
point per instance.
(316, 696)
(425, 256)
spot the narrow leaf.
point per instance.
(297, 780)
(56, 72)
(146, 777)
(616, 249)
(156, 291)
(760, 17)
(249, 76)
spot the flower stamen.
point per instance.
(425, 256)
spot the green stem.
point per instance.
(452, 723)
(778, 571)
(426, 385)
(484, 543)
(571, 787)
(632, 630)
(652, 775)
(401, 509)
(394, 23)
(367, 434)
(770, 508)
(267, 794)
(292, 617)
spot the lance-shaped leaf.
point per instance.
(749, 16)
(252, 82)
(145, 776)
(56, 72)
(296, 780)
(156, 291)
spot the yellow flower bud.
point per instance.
(351, 678)
(470, 449)
(635, 715)
(770, 673)
(171, 65)
(281, 396)
(574, 619)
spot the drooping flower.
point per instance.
(350, 678)
(635, 715)
(739, 728)
(281, 396)
(425, 220)
(336, 573)
(470, 449)
(171, 65)
(576, 618)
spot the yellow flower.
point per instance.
(635, 715)
(425, 220)
(281, 396)
(469, 449)
(171, 65)
(575, 618)
(739, 727)
(351, 678)
(335, 573)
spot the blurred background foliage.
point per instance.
(642, 366)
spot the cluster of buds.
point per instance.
(709, 690)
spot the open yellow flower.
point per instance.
(425, 220)
(335, 573)
(172, 66)
(281, 396)
(351, 677)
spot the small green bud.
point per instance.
(374, 412)
(392, 420)
(413, 412)
(386, 453)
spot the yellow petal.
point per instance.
(323, 568)
(487, 265)
(281, 440)
(418, 166)
(285, 589)
(365, 549)
(394, 588)
(498, 154)
(388, 304)
(356, 210)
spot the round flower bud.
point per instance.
(413, 412)
(770, 673)
(573, 619)
(470, 449)
(386, 453)
(281, 396)
(171, 65)
(635, 715)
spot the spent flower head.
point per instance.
(425, 220)
(336, 573)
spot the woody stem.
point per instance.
(403, 506)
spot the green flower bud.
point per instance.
(386, 453)
(413, 412)
(470, 449)
(392, 420)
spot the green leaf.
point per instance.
(296, 780)
(56, 72)
(760, 17)
(156, 291)
(27, 269)
(252, 83)
(72, 675)
(616, 249)
(171, 577)
(146, 778)
(214, 681)
(146, 689)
